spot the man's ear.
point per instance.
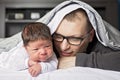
(92, 33)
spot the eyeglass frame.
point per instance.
(67, 38)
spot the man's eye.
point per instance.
(58, 37)
(74, 39)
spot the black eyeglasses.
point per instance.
(71, 40)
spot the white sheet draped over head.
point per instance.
(106, 34)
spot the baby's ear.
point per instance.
(25, 46)
(92, 33)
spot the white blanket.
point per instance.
(6, 74)
(80, 73)
(74, 73)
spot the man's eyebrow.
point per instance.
(74, 35)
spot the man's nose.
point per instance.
(65, 45)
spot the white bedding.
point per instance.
(74, 73)
(6, 74)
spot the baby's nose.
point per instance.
(42, 51)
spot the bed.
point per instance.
(73, 73)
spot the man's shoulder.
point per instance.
(104, 49)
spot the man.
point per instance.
(75, 37)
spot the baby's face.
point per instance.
(40, 50)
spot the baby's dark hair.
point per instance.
(35, 31)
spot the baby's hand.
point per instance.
(34, 70)
(31, 62)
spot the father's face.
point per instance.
(76, 28)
